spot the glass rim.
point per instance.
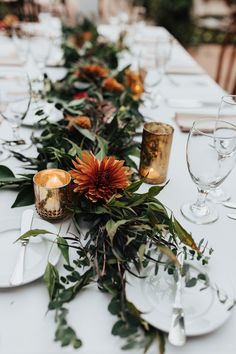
(158, 123)
(51, 169)
(209, 120)
(226, 99)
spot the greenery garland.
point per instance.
(126, 228)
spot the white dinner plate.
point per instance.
(37, 253)
(154, 297)
(52, 114)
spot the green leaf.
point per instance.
(141, 251)
(51, 279)
(75, 149)
(112, 226)
(64, 248)
(25, 197)
(191, 282)
(75, 103)
(123, 329)
(33, 233)
(115, 306)
(184, 236)
(155, 190)
(81, 85)
(133, 187)
(85, 132)
(103, 145)
(167, 251)
(5, 172)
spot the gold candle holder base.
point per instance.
(155, 152)
(53, 194)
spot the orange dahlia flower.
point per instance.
(93, 70)
(112, 85)
(81, 121)
(99, 179)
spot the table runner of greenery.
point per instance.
(125, 228)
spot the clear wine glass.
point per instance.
(153, 58)
(40, 47)
(226, 112)
(211, 156)
(21, 42)
(15, 97)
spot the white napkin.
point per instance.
(185, 120)
(184, 70)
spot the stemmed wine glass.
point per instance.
(226, 112)
(40, 47)
(15, 97)
(152, 63)
(21, 42)
(211, 156)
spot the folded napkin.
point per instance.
(185, 120)
(184, 70)
(9, 56)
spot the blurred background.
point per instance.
(206, 28)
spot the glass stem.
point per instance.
(200, 208)
(15, 131)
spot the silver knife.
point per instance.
(18, 273)
(177, 335)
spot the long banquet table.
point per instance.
(25, 325)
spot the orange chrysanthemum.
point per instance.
(93, 70)
(81, 121)
(135, 82)
(99, 179)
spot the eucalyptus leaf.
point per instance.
(184, 236)
(33, 233)
(51, 279)
(85, 132)
(5, 172)
(64, 248)
(25, 197)
(112, 226)
(103, 145)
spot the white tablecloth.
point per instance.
(26, 328)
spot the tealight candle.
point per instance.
(155, 152)
(52, 193)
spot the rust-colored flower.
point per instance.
(135, 82)
(112, 85)
(81, 121)
(10, 20)
(87, 36)
(99, 179)
(92, 70)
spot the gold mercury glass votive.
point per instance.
(155, 152)
(53, 193)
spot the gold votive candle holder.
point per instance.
(155, 152)
(53, 193)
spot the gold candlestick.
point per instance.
(155, 152)
(52, 193)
